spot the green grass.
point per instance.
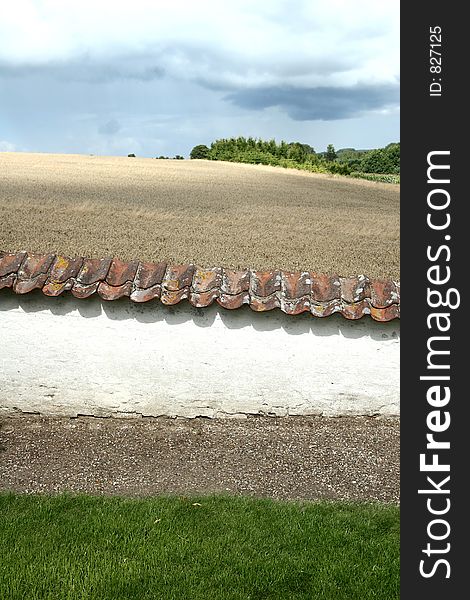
(226, 548)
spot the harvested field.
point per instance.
(208, 213)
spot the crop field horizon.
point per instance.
(204, 212)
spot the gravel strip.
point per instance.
(309, 458)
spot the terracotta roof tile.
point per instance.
(93, 270)
(355, 310)
(265, 283)
(296, 284)
(383, 293)
(7, 281)
(235, 282)
(295, 306)
(35, 265)
(64, 268)
(84, 291)
(326, 309)
(174, 296)
(32, 272)
(55, 289)
(292, 292)
(325, 287)
(260, 304)
(28, 285)
(385, 314)
(114, 292)
(10, 263)
(121, 272)
(149, 274)
(178, 277)
(201, 299)
(355, 289)
(233, 301)
(207, 279)
(145, 295)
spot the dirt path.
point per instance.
(204, 212)
(354, 458)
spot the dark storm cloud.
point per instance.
(88, 70)
(319, 103)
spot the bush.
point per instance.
(379, 177)
(338, 168)
(200, 151)
(384, 160)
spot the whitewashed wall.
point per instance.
(62, 356)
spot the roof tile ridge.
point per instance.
(294, 292)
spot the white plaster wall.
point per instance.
(62, 356)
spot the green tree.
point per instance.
(297, 152)
(200, 151)
(384, 160)
(331, 153)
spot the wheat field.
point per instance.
(207, 213)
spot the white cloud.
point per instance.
(222, 44)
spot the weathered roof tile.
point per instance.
(7, 281)
(355, 310)
(260, 304)
(385, 314)
(325, 287)
(64, 268)
(383, 293)
(265, 283)
(235, 282)
(114, 292)
(34, 265)
(149, 274)
(206, 279)
(178, 277)
(292, 292)
(355, 289)
(93, 270)
(295, 306)
(232, 301)
(171, 297)
(121, 272)
(23, 286)
(55, 289)
(296, 284)
(10, 263)
(84, 291)
(202, 299)
(146, 294)
(325, 309)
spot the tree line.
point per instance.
(297, 155)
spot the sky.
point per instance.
(153, 77)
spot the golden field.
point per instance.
(207, 213)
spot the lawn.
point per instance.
(217, 547)
(206, 212)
